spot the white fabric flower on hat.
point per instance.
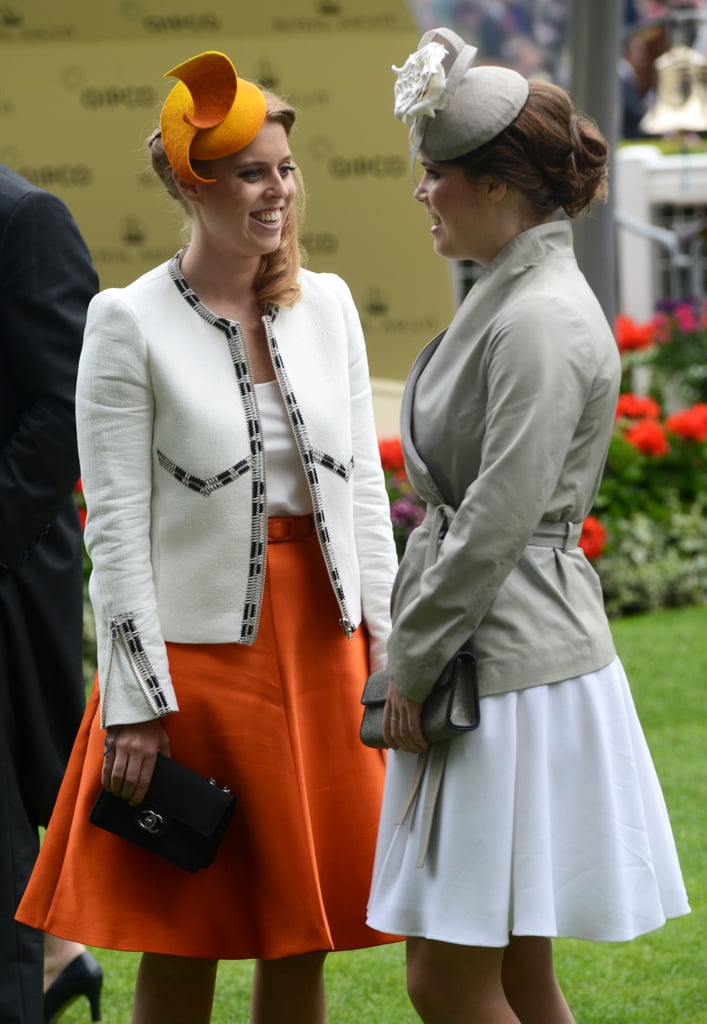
(420, 83)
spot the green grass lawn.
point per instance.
(657, 979)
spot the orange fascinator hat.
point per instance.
(209, 113)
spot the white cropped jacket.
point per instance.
(172, 466)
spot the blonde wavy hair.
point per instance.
(278, 281)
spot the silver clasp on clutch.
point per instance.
(150, 822)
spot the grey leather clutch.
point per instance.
(451, 708)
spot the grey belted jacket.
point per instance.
(506, 418)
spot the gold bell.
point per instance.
(681, 93)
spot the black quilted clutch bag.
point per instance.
(451, 708)
(182, 818)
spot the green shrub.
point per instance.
(651, 563)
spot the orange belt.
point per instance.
(282, 528)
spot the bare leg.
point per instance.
(530, 984)
(174, 990)
(58, 954)
(289, 991)
(450, 984)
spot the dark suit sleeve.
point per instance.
(46, 282)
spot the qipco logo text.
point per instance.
(125, 97)
(342, 167)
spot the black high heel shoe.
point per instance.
(82, 977)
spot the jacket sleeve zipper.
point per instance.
(139, 663)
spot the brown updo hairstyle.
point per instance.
(277, 283)
(557, 159)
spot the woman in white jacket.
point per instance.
(243, 557)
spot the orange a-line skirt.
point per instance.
(278, 723)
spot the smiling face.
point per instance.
(463, 222)
(242, 213)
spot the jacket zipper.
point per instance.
(255, 586)
(345, 621)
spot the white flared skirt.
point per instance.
(550, 822)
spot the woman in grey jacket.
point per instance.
(548, 820)
(242, 551)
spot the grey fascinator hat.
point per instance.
(450, 106)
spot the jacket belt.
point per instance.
(556, 535)
(282, 528)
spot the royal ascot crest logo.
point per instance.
(15, 28)
(378, 315)
(133, 231)
(133, 251)
(266, 76)
(375, 303)
(328, 15)
(10, 17)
